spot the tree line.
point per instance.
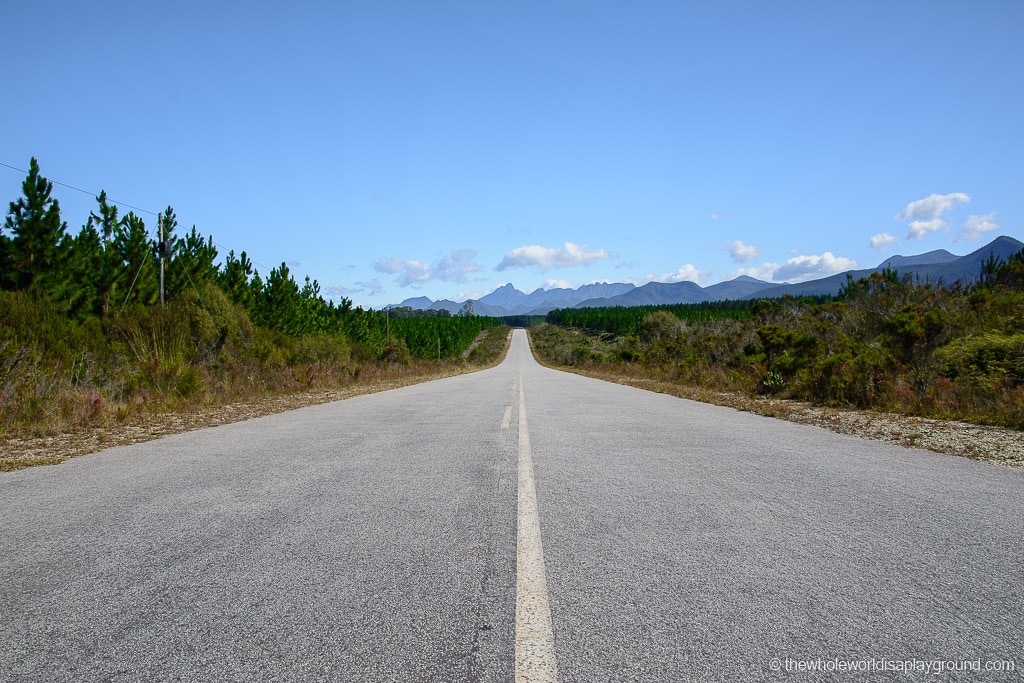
(112, 264)
(627, 320)
(884, 342)
(84, 335)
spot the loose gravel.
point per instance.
(995, 445)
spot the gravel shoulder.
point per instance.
(995, 445)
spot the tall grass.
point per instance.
(59, 375)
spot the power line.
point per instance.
(114, 201)
(78, 189)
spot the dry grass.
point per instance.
(116, 428)
(995, 445)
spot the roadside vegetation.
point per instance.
(884, 343)
(85, 340)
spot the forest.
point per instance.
(885, 343)
(628, 320)
(90, 329)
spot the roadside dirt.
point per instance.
(16, 453)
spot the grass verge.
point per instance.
(116, 428)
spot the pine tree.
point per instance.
(106, 219)
(191, 263)
(85, 270)
(280, 304)
(233, 278)
(37, 247)
(106, 267)
(137, 272)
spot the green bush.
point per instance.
(888, 344)
(994, 356)
(396, 351)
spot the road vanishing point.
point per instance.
(517, 523)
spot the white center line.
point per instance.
(507, 420)
(535, 644)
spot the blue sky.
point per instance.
(441, 149)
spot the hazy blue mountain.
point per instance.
(506, 296)
(934, 266)
(825, 286)
(652, 293)
(967, 268)
(479, 308)
(740, 288)
(452, 307)
(961, 269)
(657, 293)
(419, 303)
(937, 256)
(544, 300)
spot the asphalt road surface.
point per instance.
(513, 522)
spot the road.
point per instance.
(514, 520)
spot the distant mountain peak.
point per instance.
(1003, 242)
(900, 261)
(418, 303)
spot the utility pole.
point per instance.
(162, 246)
(387, 323)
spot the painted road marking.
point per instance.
(507, 420)
(535, 644)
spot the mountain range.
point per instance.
(934, 266)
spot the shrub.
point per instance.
(395, 351)
(995, 356)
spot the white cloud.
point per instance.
(410, 273)
(742, 252)
(530, 255)
(414, 273)
(392, 264)
(918, 229)
(925, 215)
(372, 287)
(932, 206)
(800, 268)
(975, 225)
(765, 271)
(557, 284)
(882, 240)
(452, 268)
(545, 258)
(464, 295)
(687, 273)
(455, 266)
